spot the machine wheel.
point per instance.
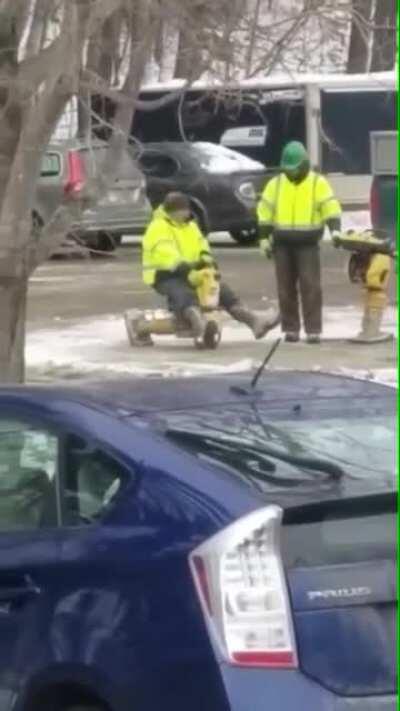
(246, 238)
(212, 336)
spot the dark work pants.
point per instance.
(181, 295)
(299, 268)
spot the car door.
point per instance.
(29, 515)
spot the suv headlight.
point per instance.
(247, 192)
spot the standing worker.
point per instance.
(292, 213)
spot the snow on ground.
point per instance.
(100, 345)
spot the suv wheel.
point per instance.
(246, 238)
(201, 217)
(36, 225)
(104, 242)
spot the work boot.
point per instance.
(292, 337)
(138, 330)
(259, 324)
(313, 339)
(196, 320)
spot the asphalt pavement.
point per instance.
(71, 299)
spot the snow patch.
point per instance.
(100, 345)
(219, 159)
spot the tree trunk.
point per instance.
(13, 293)
(359, 50)
(384, 38)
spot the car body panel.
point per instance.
(123, 209)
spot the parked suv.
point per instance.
(123, 209)
(222, 184)
(384, 189)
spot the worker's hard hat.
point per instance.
(293, 156)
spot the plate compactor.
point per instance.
(142, 325)
(370, 265)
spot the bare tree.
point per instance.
(384, 39)
(57, 50)
(360, 37)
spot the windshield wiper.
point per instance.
(311, 464)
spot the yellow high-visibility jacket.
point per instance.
(167, 244)
(298, 211)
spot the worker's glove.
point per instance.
(336, 238)
(267, 247)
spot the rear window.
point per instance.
(271, 452)
(51, 165)
(333, 474)
(341, 537)
(96, 157)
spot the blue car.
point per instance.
(198, 545)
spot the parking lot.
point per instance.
(75, 326)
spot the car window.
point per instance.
(91, 482)
(158, 165)
(28, 468)
(51, 165)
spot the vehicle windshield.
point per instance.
(221, 160)
(279, 453)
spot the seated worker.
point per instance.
(173, 246)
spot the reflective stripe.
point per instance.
(277, 196)
(328, 199)
(299, 228)
(313, 198)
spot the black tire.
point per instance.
(200, 215)
(212, 336)
(105, 242)
(36, 225)
(246, 238)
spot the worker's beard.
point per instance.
(297, 176)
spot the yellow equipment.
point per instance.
(141, 326)
(369, 265)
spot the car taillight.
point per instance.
(374, 204)
(76, 174)
(241, 584)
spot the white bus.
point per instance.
(332, 114)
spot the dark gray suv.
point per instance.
(223, 185)
(123, 209)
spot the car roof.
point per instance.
(129, 396)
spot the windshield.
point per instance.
(279, 452)
(221, 160)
